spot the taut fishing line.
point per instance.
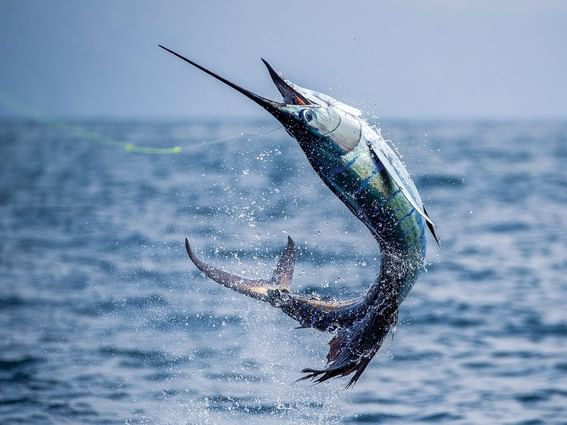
(26, 111)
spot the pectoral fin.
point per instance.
(431, 227)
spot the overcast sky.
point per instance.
(407, 59)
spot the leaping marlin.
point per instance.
(363, 171)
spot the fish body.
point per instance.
(363, 171)
(361, 182)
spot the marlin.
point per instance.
(364, 172)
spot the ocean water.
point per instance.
(103, 320)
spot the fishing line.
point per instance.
(36, 115)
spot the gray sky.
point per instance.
(408, 59)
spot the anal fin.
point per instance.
(352, 348)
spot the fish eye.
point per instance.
(307, 115)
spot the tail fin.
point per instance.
(260, 289)
(309, 311)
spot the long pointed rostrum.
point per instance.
(267, 104)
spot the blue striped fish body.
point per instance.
(361, 182)
(356, 175)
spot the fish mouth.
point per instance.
(289, 93)
(279, 110)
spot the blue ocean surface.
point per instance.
(103, 320)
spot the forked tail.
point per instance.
(261, 289)
(309, 311)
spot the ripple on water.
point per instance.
(19, 364)
(104, 321)
(440, 180)
(185, 321)
(126, 305)
(251, 405)
(376, 418)
(134, 358)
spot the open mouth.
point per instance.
(290, 95)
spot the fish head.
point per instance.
(314, 119)
(317, 121)
(319, 128)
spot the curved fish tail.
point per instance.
(309, 311)
(256, 288)
(351, 349)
